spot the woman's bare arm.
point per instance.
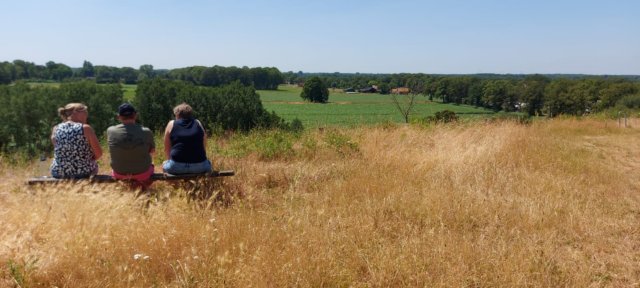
(167, 140)
(91, 137)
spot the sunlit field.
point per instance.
(352, 109)
(485, 204)
(129, 92)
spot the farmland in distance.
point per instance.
(352, 109)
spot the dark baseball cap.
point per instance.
(126, 109)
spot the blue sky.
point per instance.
(456, 36)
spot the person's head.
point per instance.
(127, 112)
(183, 111)
(76, 112)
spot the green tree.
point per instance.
(5, 73)
(531, 92)
(129, 75)
(614, 92)
(58, 71)
(556, 97)
(315, 90)
(494, 94)
(384, 88)
(146, 72)
(21, 69)
(87, 69)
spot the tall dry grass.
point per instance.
(551, 204)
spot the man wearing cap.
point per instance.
(131, 146)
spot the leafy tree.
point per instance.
(107, 74)
(474, 92)
(557, 100)
(629, 101)
(315, 90)
(129, 75)
(494, 94)
(146, 72)
(5, 73)
(532, 94)
(210, 77)
(384, 88)
(610, 95)
(87, 69)
(21, 69)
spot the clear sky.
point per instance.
(374, 36)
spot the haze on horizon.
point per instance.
(376, 36)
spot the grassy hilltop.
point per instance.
(485, 204)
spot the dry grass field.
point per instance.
(486, 204)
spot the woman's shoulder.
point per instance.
(87, 127)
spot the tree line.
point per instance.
(263, 78)
(30, 111)
(533, 94)
(259, 77)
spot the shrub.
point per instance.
(296, 126)
(341, 142)
(274, 144)
(444, 116)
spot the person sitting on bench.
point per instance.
(75, 145)
(184, 144)
(131, 146)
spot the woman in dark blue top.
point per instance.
(184, 144)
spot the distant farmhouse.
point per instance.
(401, 90)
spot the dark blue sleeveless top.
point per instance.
(187, 141)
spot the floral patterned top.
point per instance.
(72, 153)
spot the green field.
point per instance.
(351, 109)
(129, 92)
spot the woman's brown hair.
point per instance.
(183, 111)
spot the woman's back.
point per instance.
(187, 144)
(72, 154)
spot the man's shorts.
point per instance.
(142, 177)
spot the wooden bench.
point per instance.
(101, 178)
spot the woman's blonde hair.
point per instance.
(183, 111)
(66, 111)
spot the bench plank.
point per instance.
(101, 178)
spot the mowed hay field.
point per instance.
(485, 204)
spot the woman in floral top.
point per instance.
(76, 147)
